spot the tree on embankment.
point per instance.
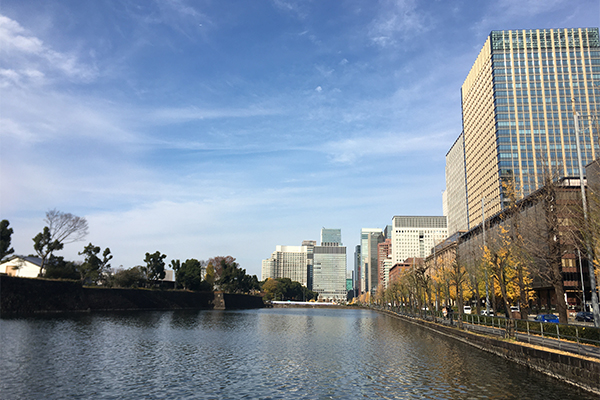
(286, 289)
(61, 228)
(188, 275)
(234, 279)
(5, 238)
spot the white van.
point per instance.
(467, 309)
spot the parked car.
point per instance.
(491, 313)
(467, 309)
(515, 309)
(584, 316)
(546, 318)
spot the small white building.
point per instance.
(25, 267)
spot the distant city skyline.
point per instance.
(225, 128)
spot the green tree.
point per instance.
(44, 246)
(58, 268)
(234, 279)
(125, 278)
(189, 275)
(155, 267)
(286, 289)
(5, 238)
(93, 267)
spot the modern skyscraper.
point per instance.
(456, 189)
(331, 236)
(329, 266)
(357, 271)
(369, 239)
(415, 236)
(289, 262)
(329, 272)
(518, 106)
(384, 261)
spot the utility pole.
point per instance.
(595, 308)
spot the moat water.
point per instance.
(253, 354)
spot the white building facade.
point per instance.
(415, 236)
(288, 262)
(456, 188)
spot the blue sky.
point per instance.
(205, 128)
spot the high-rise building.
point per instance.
(331, 236)
(518, 110)
(329, 272)
(289, 262)
(456, 191)
(384, 261)
(329, 266)
(357, 271)
(369, 239)
(415, 236)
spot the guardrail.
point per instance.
(568, 337)
(532, 331)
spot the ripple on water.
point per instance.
(255, 354)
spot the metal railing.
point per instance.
(561, 336)
(578, 339)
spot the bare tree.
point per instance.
(65, 227)
(545, 240)
(62, 228)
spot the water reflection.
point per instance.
(273, 353)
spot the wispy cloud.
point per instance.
(397, 23)
(26, 56)
(191, 113)
(348, 151)
(296, 8)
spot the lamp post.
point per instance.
(595, 308)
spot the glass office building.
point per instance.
(331, 237)
(518, 109)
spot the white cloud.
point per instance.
(397, 22)
(318, 89)
(184, 114)
(348, 151)
(21, 51)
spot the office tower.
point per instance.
(331, 236)
(456, 190)
(329, 266)
(369, 239)
(357, 271)
(518, 107)
(415, 236)
(384, 261)
(289, 262)
(329, 272)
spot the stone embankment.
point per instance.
(21, 296)
(580, 371)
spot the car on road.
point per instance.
(515, 309)
(491, 313)
(584, 316)
(546, 318)
(467, 309)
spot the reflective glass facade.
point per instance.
(519, 102)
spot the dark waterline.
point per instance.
(254, 354)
